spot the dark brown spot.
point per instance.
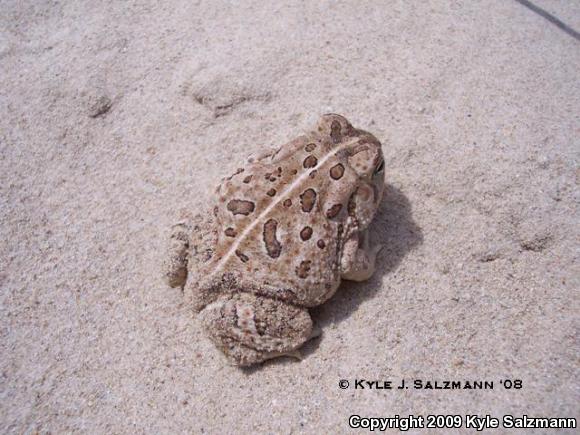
(230, 232)
(303, 269)
(273, 246)
(242, 256)
(240, 206)
(335, 133)
(307, 200)
(215, 211)
(310, 162)
(248, 179)
(306, 233)
(288, 203)
(268, 175)
(337, 171)
(321, 244)
(310, 147)
(313, 174)
(271, 192)
(294, 171)
(279, 170)
(333, 211)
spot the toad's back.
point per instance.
(279, 220)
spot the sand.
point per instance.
(116, 115)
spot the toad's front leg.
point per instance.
(358, 259)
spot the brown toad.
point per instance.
(285, 229)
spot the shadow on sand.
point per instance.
(395, 229)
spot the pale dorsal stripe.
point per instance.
(264, 214)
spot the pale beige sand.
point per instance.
(478, 107)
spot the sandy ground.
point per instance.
(114, 115)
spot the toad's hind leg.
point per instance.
(251, 329)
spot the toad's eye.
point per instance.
(380, 167)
